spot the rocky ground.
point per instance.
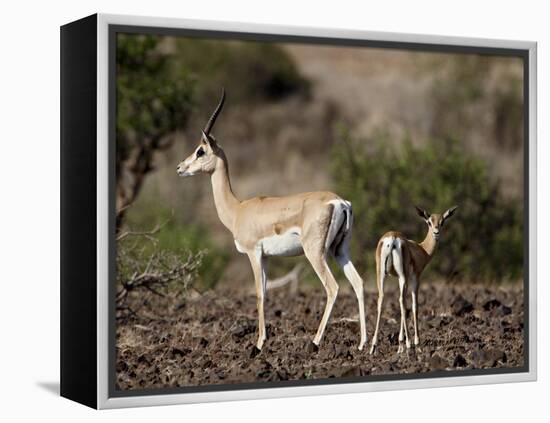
(209, 338)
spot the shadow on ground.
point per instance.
(51, 387)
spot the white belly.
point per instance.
(288, 244)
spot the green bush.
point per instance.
(154, 96)
(251, 72)
(482, 242)
(154, 99)
(469, 97)
(177, 238)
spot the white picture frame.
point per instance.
(103, 223)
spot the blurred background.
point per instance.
(385, 129)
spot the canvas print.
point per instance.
(296, 212)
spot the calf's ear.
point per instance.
(449, 212)
(422, 213)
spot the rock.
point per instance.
(143, 359)
(282, 374)
(460, 306)
(438, 363)
(460, 361)
(352, 371)
(266, 371)
(254, 351)
(488, 358)
(180, 351)
(498, 307)
(242, 328)
(497, 355)
(340, 351)
(264, 374)
(491, 304)
(312, 348)
(440, 321)
(393, 338)
(504, 310)
(200, 343)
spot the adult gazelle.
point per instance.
(315, 224)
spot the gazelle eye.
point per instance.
(200, 152)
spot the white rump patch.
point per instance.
(288, 244)
(386, 257)
(340, 215)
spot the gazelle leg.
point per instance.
(319, 263)
(340, 249)
(357, 284)
(414, 296)
(257, 261)
(398, 266)
(402, 293)
(380, 276)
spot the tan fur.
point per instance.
(278, 215)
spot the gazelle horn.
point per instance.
(214, 116)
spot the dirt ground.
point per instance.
(209, 338)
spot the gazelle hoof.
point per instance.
(260, 343)
(255, 351)
(400, 349)
(372, 349)
(312, 347)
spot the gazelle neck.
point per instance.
(225, 201)
(429, 244)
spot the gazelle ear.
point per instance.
(449, 212)
(207, 139)
(422, 213)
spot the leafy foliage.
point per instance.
(483, 240)
(266, 71)
(154, 99)
(470, 98)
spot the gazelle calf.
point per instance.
(316, 224)
(398, 256)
